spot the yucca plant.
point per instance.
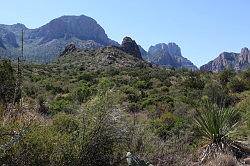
(215, 125)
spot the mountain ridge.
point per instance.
(229, 60)
(45, 43)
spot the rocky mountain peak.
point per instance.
(169, 55)
(244, 57)
(130, 46)
(245, 50)
(229, 60)
(67, 27)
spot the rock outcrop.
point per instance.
(69, 49)
(169, 55)
(229, 60)
(129, 46)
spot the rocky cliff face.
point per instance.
(226, 60)
(1, 44)
(66, 27)
(144, 53)
(169, 55)
(47, 42)
(8, 38)
(129, 46)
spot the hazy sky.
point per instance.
(202, 28)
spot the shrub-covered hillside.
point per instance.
(92, 107)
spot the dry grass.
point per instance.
(223, 160)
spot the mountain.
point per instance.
(229, 60)
(168, 55)
(47, 42)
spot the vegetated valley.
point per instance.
(107, 106)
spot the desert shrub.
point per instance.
(193, 81)
(86, 77)
(155, 99)
(65, 123)
(236, 85)
(7, 82)
(35, 78)
(142, 85)
(30, 90)
(83, 92)
(112, 71)
(245, 75)
(60, 105)
(104, 133)
(132, 94)
(105, 84)
(167, 124)
(41, 146)
(134, 107)
(215, 93)
(42, 107)
(53, 88)
(226, 76)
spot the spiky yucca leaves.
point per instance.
(215, 125)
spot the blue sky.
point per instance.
(202, 28)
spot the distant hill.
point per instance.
(109, 57)
(229, 60)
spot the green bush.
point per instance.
(7, 82)
(215, 93)
(132, 94)
(142, 85)
(167, 124)
(41, 146)
(236, 85)
(134, 108)
(60, 105)
(83, 92)
(226, 76)
(86, 77)
(65, 123)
